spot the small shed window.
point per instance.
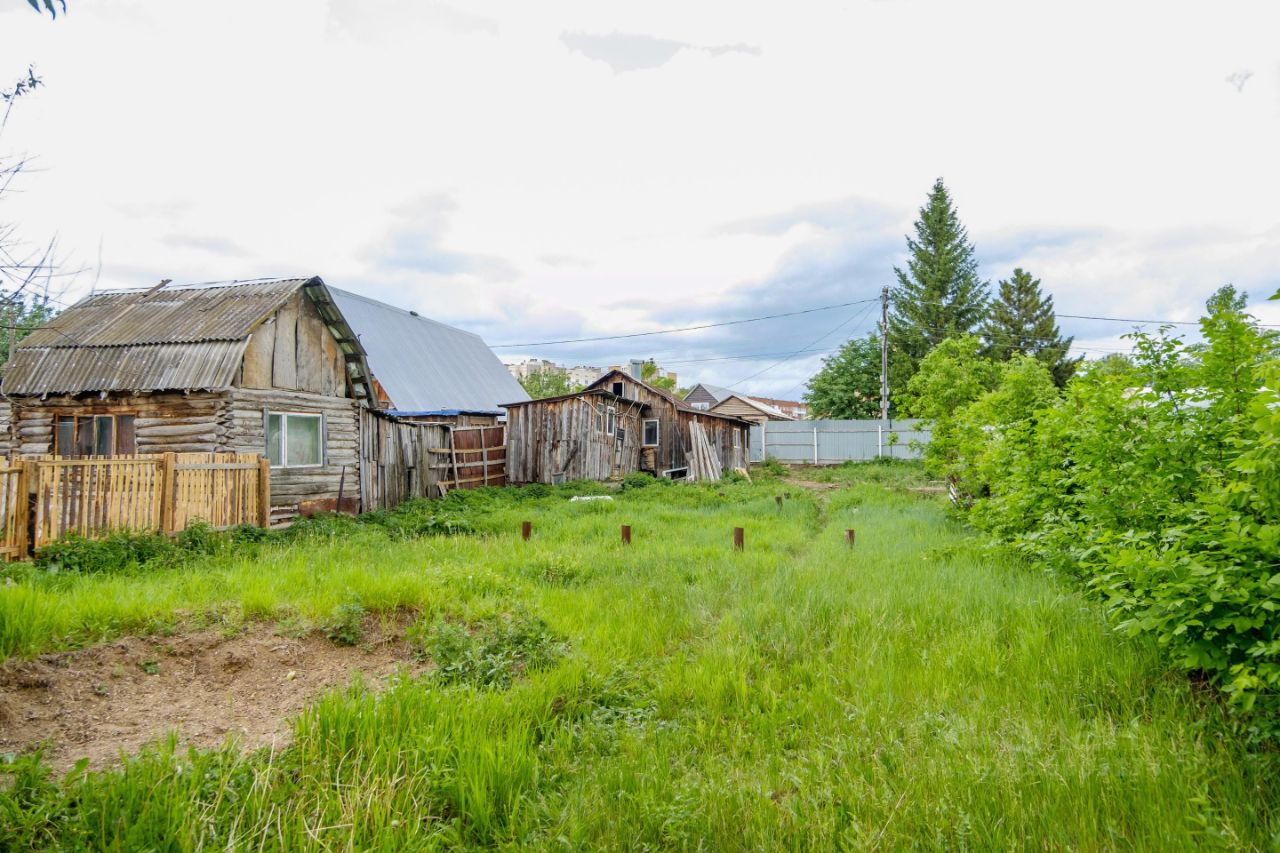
(610, 421)
(294, 440)
(622, 435)
(651, 432)
(617, 389)
(95, 435)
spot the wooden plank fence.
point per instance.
(44, 499)
(402, 459)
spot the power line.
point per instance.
(685, 329)
(816, 341)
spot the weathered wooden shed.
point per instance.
(616, 425)
(265, 367)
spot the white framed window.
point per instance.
(610, 420)
(651, 432)
(295, 440)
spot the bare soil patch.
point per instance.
(97, 702)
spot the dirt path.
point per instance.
(96, 702)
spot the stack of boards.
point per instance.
(704, 463)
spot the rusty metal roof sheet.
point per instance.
(141, 367)
(168, 316)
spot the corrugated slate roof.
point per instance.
(144, 367)
(179, 338)
(168, 316)
(424, 365)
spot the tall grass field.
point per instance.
(915, 690)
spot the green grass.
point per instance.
(914, 691)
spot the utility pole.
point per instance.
(884, 354)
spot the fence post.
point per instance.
(28, 481)
(879, 441)
(626, 534)
(738, 537)
(815, 445)
(264, 492)
(168, 463)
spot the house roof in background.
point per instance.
(424, 365)
(762, 408)
(720, 394)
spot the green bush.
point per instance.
(346, 626)
(638, 480)
(771, 467)
(490, 652)
(1156, 486)
(116, 552)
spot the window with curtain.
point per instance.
(94, 435)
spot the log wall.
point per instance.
(244, 425)
(167, 421)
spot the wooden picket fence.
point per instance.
(44, 499)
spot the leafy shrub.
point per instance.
(1157, 486)
(200, 538)
(771, 467)
(346, 626)
(638, 480)
(489, 652)
(117, 552)
(250, 534)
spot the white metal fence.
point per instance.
(831, 442)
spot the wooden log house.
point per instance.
(264, 367)
(616, 425)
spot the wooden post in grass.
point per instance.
(849, 536)
(264, 492)
(626, 534)
(778, 498)
(526, 530)
(738, 537)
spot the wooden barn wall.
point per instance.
(561, 437)
(165, 421)
(396, 460)
(243, 423)
(728, 439)
(673, 439)
(293, 350)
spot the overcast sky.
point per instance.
(550, 170)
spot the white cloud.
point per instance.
(463, 160)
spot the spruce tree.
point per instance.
(1021, 321)
(939, 295)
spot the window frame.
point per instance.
(95, 419)
(644, 432)
(610, 420)
(284, 416)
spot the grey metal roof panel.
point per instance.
(144, 367)
(171, 315)
(721, 394)
(424, 365)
